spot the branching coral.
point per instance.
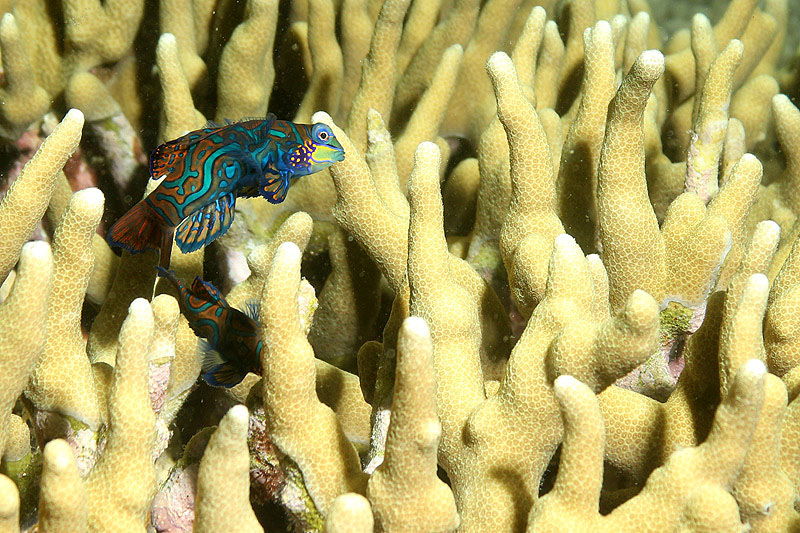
(552, 230)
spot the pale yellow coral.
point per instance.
(62, 380)
(100, 31)
(356, 36)
(405, 493)
(359, 210)
(9, 506)
(429, 111)
(24, 318)
(25, 202)
(246, 71)
(348, 303)
(643, 432)
(577, 174)
(177, 19)
(466, 113)
(378, 71)
(711, 123)
(750, 104)
(473, 464)
(455, 28)
(764, 492)
(23, 99)
(326, 78)
(349, 513)
(300, 426)
(502, 418)
(689, 491)
(532, 209)
(62, 500)
(621, 193)
(224, 478)
(179, 111)
(681, 64)
(121, 485)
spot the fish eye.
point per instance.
(322, 133)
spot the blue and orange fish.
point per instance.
(232, 345)
(207, 169)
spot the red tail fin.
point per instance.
(138, 230)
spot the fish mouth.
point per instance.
(338, 155)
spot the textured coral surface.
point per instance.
(554, 285)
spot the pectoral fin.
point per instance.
(216, 371)
(274, 188)
(205, 225)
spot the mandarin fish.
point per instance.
(206, 170)
(231, 339)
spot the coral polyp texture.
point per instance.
(553, 286)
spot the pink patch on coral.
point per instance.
(173, 507)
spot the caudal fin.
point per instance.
(137, 230)
(218, 372)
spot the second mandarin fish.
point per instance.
(206, 170)
(232, 345)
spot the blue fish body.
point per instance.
(205, 171)
(231, 345)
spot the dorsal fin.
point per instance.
(251, 309)
(167, 155)
(207, 291)
(227, 121)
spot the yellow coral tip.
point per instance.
(6, 22)
(288, 252)
(426, 147)
(564, 240)
(38, 250)
(9, 497)
(640, 299)
(757, 282)
(457, 48)
(166, 38)
(351, 502)
(749, 158)
(57, 455)
(497, 61)
(74, 115)
(238, 415)
(322, 116)
(780, 100)
(651, 62)
(564, 385)
(755, 367)
(139, 305)
(768, 226)
(641, 310)
(416, 326)
(91, 197)
(601, 28)
(620, 20)
(736, 45)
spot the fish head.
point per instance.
(318, 152)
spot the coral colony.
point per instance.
(550, 282)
